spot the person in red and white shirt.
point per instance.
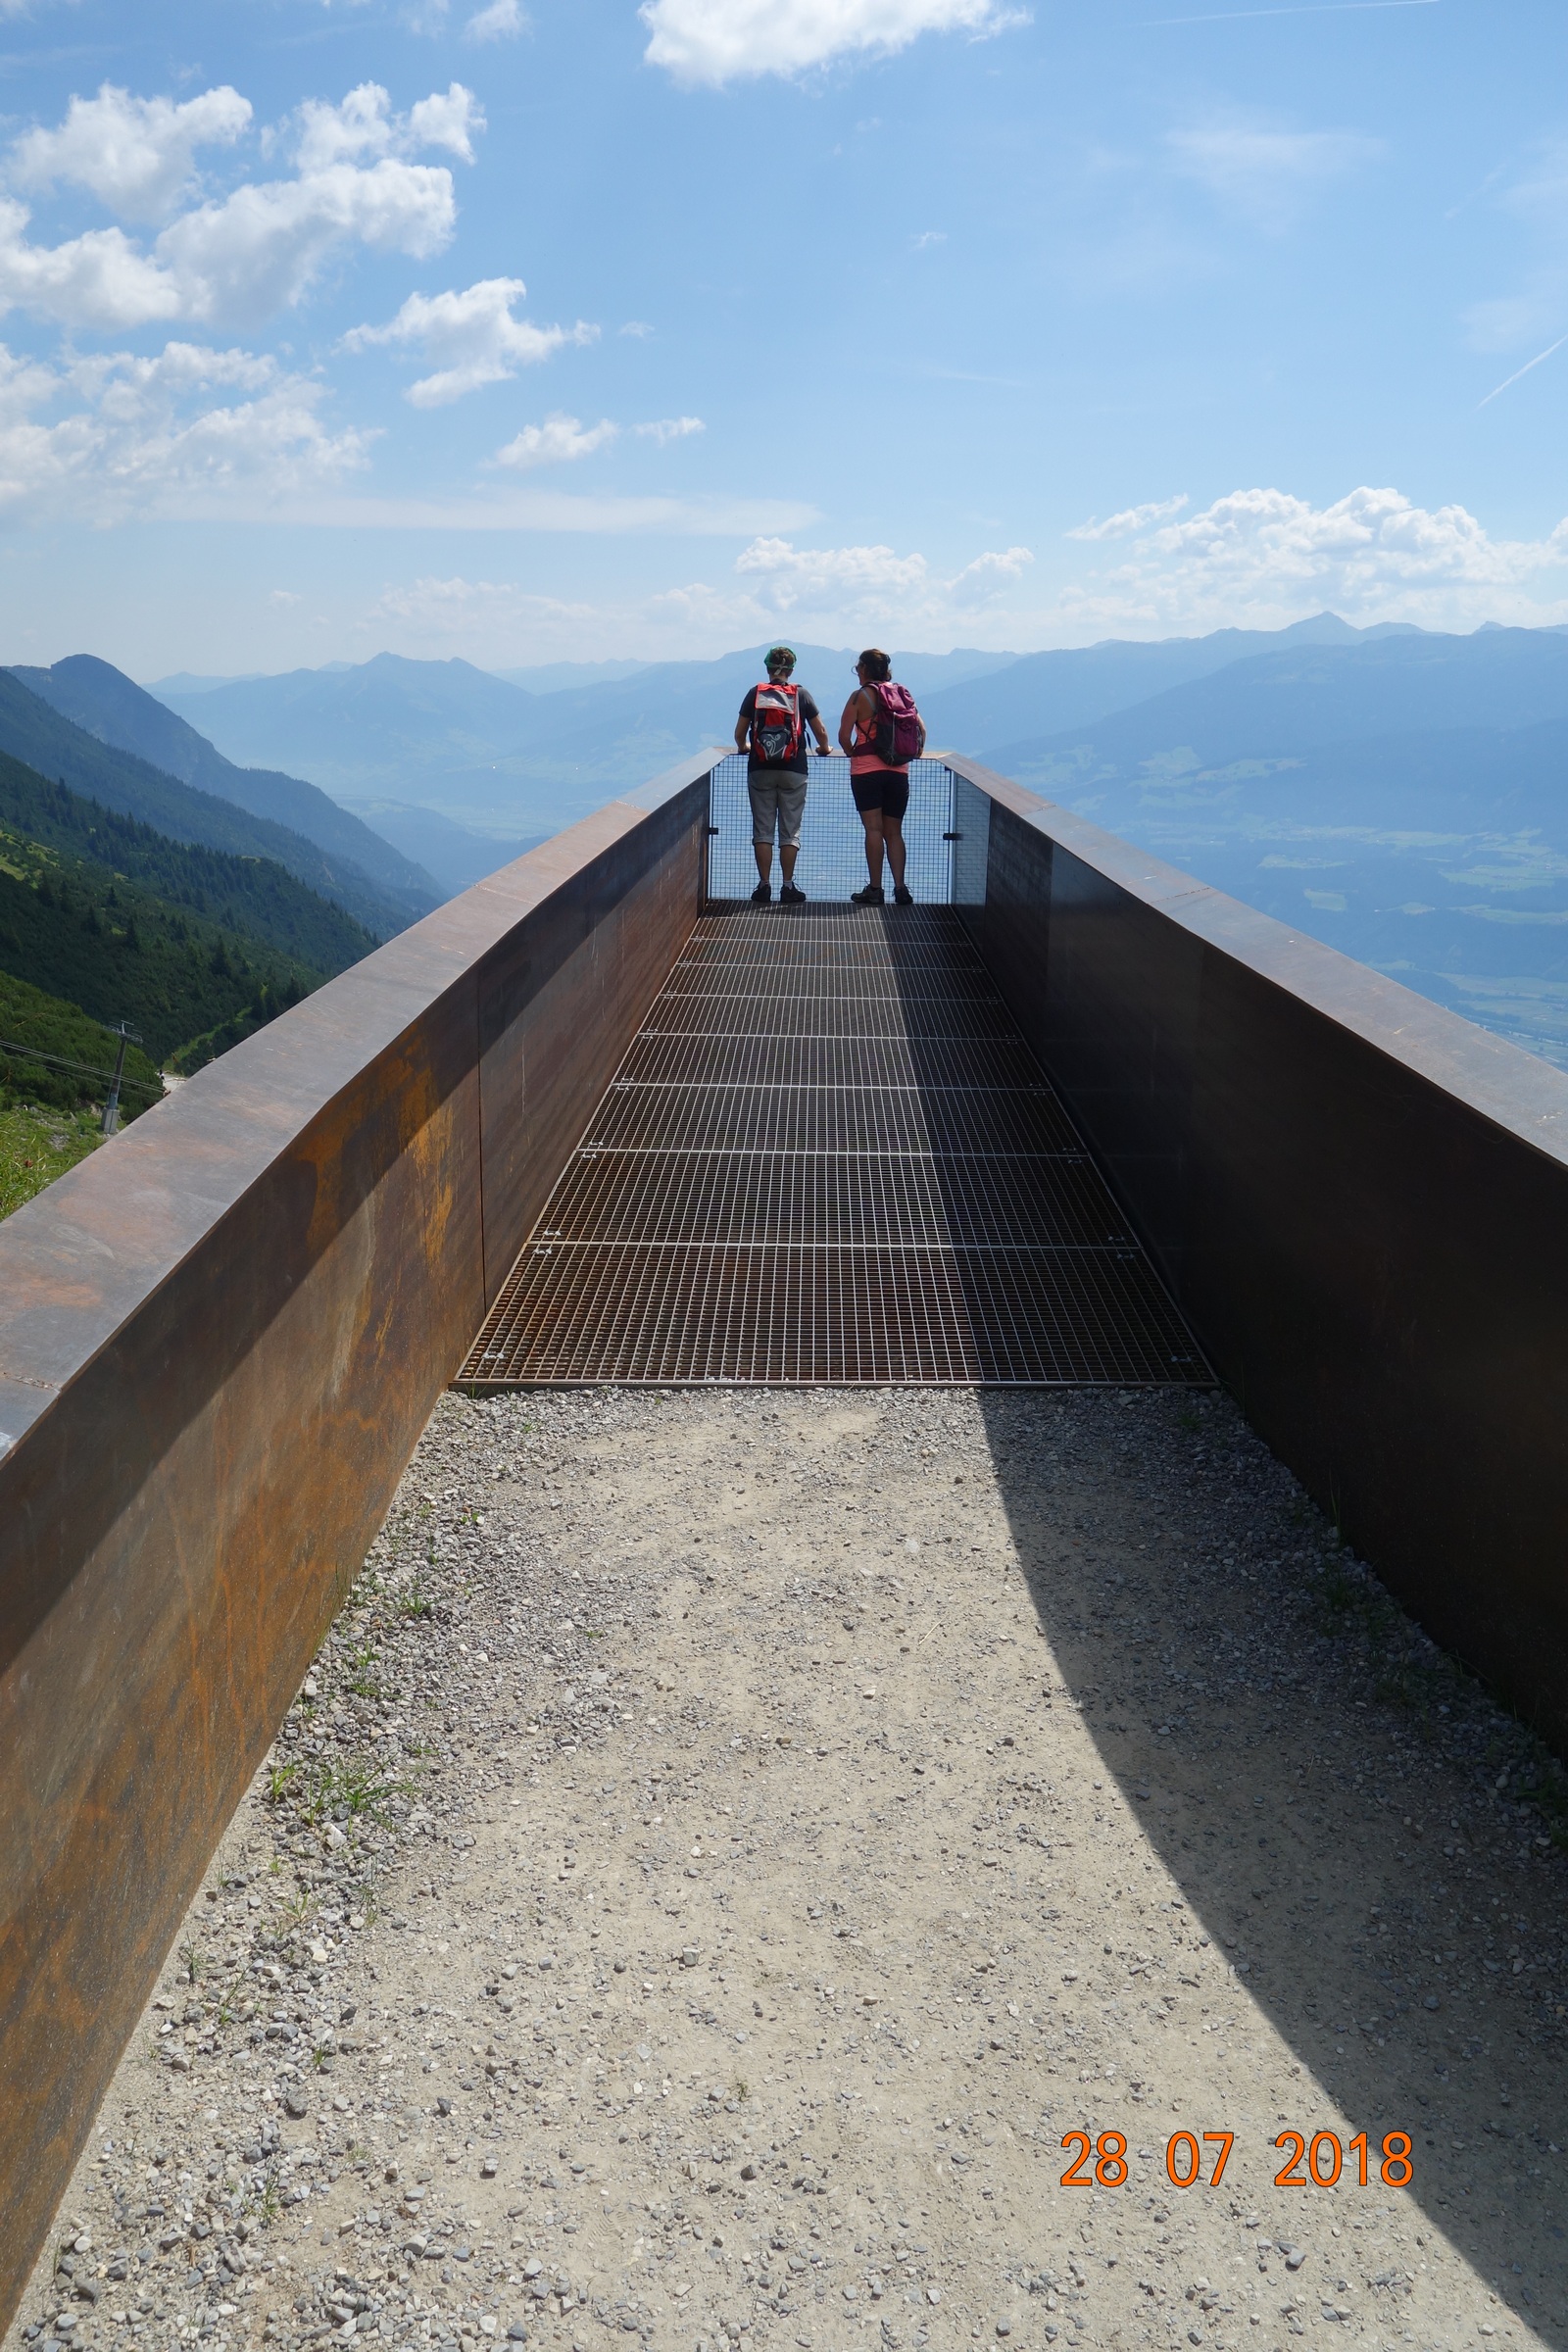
(775, 777)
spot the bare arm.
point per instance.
(861, 706)
(743, 728)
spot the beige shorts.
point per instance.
(778, 800)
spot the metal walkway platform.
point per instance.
(829, 1157)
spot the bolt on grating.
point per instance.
(829, 1157)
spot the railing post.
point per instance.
(127, 1037)
(709, 836)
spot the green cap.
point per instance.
(781, 657)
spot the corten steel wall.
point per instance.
(1360, 1200)
(220, 1339)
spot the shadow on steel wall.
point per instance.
(1359, 1203)
(1178, 1579)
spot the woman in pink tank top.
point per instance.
(881, 791)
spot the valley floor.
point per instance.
(732, 1840)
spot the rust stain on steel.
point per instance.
(220, 1339)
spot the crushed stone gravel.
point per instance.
(729, 1843)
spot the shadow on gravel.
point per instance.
(1324, 1788)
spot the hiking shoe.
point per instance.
(789, 895)
(763, 893)
(870, 896)
(903, 896)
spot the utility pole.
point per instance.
(127, 1037)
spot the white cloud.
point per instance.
(556, 442)
(872, 583)
(468, 609)
(1130, 520)
(535, 507)
(639, 328)
(560, 439)
(990, 574)
(848, 589)
(99, 280)
(182, 433)
(852, 587)
(474, 333)
(787, 576)
(834, 591)
(716, 41)
(136, 154)
(447, 119)
(500, 21)
(1256, 559)
(1267, 172)
(245, 256)
(1264, 558)
(366, 126)
(261, 249)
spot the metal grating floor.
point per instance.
(829, 1157)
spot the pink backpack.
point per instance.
(897, 732)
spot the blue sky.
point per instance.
(560, 332)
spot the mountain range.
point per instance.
(453, 856)
(106, 914)
(1401, 794)
(1292, 697)
(489, 755)
(1404, 798)
(103, 701)
(33, 731)
(1398, 793)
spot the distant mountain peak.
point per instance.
(398, 663)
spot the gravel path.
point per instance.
(731, 1840)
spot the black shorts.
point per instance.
(887, 789)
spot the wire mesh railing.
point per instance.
(832, 855)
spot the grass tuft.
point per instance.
(36, 1146)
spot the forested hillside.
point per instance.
(253, 896)
(102, 700)
(36, 735)
(77, 930)
(53, 1052)
(55, 1069)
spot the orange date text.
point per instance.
(1197, 2160)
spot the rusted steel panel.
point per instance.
(1360, 1200)
(220, 1339)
